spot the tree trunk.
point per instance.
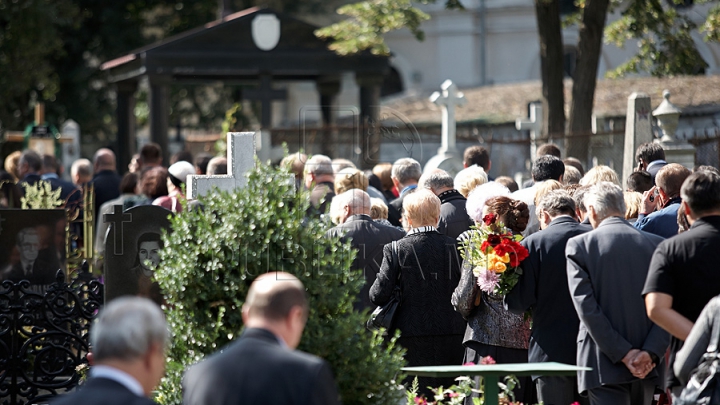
(551, 67)
(583, 90)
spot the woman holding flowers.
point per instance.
(491, 256)
(427, 270)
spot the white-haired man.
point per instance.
(262, 366)
(365, 235)
(405, 175)
(606, 270)
(319, 179)
(128, 343)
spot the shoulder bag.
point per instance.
(382, 316)
(703, 387)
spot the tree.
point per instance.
(212, 256)
(664, 35)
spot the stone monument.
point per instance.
(241, 159)
(676, 150)
(534, 125)
(638, 130)
(448, 157)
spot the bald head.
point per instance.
(104, 159)
(354, 202)
(273, 295)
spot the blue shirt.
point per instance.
(662, 223)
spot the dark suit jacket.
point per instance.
(69, 192)
(43, 270)
(256, 369)
(102, 391)
(368, 237)
(107, 187)
(29, 179)
(454, 219)
(395, 211)
(543, 289)
(606, 274)
(430, 266)
(320, 197)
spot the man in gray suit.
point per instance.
(606, 270)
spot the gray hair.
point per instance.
(606, 198)
(436, 179)
(126, 329)
(82, 167)
(405, 170)
(356, 199)
(216, 166)
(555, 203)
(319, 165)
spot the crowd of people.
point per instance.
(616, 277)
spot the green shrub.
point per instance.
(213, 255)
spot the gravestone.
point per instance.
(534, 125)
(448, 157)
(131, 247)
(71, 149)
(638, 130)
(241, 159)
(32, 246)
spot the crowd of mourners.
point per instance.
(616, 278)
(620, 273)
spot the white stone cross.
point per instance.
(447, 100)
(534, 125)
(241, 159)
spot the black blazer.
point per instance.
(543, 289)
(102, 391)
(107, 187)
(395, 211)
(257, 369)
(454, 219)
(368, 237)
(430, 272)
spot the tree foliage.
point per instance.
(213, 255)
(370, 20)
(664, 35)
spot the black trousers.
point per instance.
(639, 392)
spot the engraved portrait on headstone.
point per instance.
(32, 245)
(132, 251)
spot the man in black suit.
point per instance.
(454, 219)
(36, 265)
(29, 167)
(365, 235)
(262, 367)
(543, 290)
(606, 270)
(405, 175)
(106, 180)
(128, 342)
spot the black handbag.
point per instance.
(382, 316)
(703, 387)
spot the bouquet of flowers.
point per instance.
(495, 263)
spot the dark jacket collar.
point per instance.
(105, 172)
(712, 220)
(358, 217)
(613, 221)
(260, 334)
(562, 220)
(450, 195)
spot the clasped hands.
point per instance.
(638, 362)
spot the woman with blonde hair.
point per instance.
(598, 174)
(469, 178)
(427, 270)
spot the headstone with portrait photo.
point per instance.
(132, 250)
(32, 246)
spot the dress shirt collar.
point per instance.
(49, 176)
(408, 189)
(422, 229)
(119, 376)
(658, 162)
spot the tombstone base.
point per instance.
(446, 161)
(679, 152)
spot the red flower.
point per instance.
(514, 250)
(420, 401)
(487, 360)
(469, 363)
(494, 239)
(489, 219)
